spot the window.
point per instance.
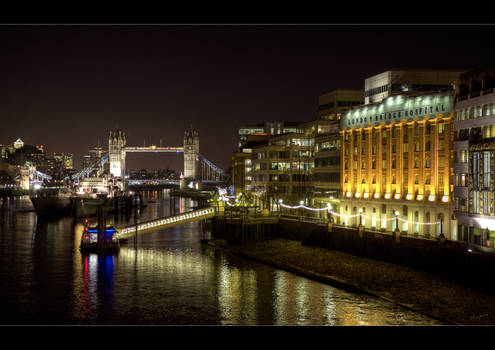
(476, 202)
(428, 180)
(416, 180)
(416, 147)
(427, 146)
(486, 203)
(427, 162)
(476, 167)
(486, 169)
(441, 128)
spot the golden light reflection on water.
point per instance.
(164, 271)
(237, 295)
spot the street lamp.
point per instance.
(396, 213)
(397, 230)
(329, 208)
(441, 226)
(360, 215)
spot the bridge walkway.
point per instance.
(158, 224)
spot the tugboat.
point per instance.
(100, 238)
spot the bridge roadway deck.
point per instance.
(158, 224)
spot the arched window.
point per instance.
(416, 220)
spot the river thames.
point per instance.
(167, 277)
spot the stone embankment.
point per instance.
(426, 293)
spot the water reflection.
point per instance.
(165, 277)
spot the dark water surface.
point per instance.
(167, 278)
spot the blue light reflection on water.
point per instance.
(167, 277)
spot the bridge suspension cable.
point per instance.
(88, 170)
(216, 169)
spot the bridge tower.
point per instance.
(191, 150)
(116, 144)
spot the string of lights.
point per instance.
(327, 208)
(351, 216)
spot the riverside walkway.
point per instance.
(158, 224)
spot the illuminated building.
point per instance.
(116, 144)
(68, 163)
(325, 175)
(93, 156)
(281, 168)
(332, 103)
(18, 144)
(241, 163)
(266, 128)
(191, 150)
(6, 150)
(391, 82)
(474, 150)
(397, 156)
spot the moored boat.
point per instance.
(93, 240)
(53, 205)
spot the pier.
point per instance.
(157, 224)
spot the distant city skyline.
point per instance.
(67, 86)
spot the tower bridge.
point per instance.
(197, 168)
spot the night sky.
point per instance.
(67, 86)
